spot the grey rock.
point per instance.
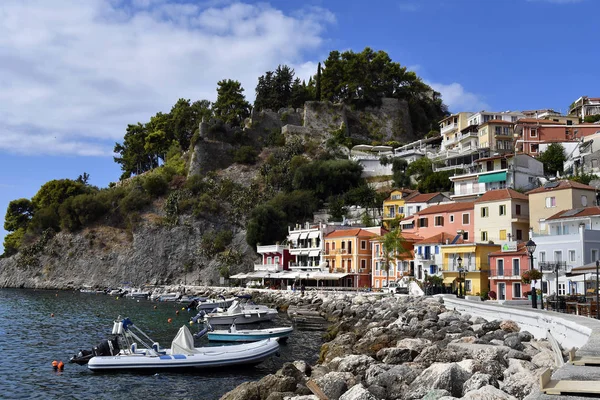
(488, 393)
(436, 394)
(477, 381)
(396, 355)
(525, 336)
(519, 355)
(448, 376)
(358, 392)
(334, 384)
(514, 343)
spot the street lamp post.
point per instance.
(530, 245)
(460, 277)
(306, 279)
(597, 294)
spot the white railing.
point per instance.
(448, 128)
(268, 267)
(274, 248)
(478, 188)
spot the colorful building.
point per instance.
(393, 206)
(585, 106)
(428, 255)
(501, 215)
(507, 265)
(400, 265)
(557, 196)
(496, 135)
(473, 259)
(348, 251)
(419, 202)
(449, 217)
(450, 128)
(531, 133)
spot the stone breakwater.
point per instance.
(382, 347)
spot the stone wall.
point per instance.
(210, 155)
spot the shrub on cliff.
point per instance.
(327, 178)
(245, 155)
(155, 184)
(266, 225)
(135, 200)
(79, 211)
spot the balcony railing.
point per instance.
(448, 128)
(274, 248)
(552, 266)
(467, 268)
(268, 267)
(506, 273)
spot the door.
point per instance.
(501, 291)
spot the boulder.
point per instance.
(509, 326)
(358, 392)
(334, 384)
(544, 359)
(519, 379)
(355, 364)
(245, 391)
(482, 352)
(488, 392)
(395, 355)
(525, 336)
(514, 343)
(447, 376)
(519, 355)
(477, 381)
(416, 344)
(436, 394)
(274, 383)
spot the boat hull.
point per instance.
(240, 319)
(203, 357)
(209, 306)
(249, 335)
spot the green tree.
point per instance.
(245, 155)
(13, 241)
(553, 159)
(231, 105)
(420, 169)
(266, 225)
(399, 173)
(435, 182)
(394, 249)
(590, 119)
(133, 157)
(83, 178)
(327, 178)
(18, 214)
(54, 192)
(318, 83)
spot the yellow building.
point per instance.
(349, 251)
(497, 135)
(473, 259)
(450, 128)
(393, 206)
(557, 196)
(501, 215)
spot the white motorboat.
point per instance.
(249, 335)
(241, 313)
(138, 293)
(211, 304)
(170, 296)
(131, 350)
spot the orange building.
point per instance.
(349, 251)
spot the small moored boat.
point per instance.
(130, 350)
(240, 313)
(249, 335)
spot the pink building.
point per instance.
(275, 258)
(506, 267)
(533, 132)
(442, 218)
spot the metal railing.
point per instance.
(552, 266)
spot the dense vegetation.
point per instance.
(422, 172)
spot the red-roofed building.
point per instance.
(421, 201)
(531, 133)
(506, 267)
(442, 218)
(556, 196)
(585, 106)
(428, 256)
(399, 267)
(501, 215)
(348, 251)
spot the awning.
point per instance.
(313, 235)
(238, 276)
(324, 276)
(303, 235)
(314, 253)
(449, 279)
(495, 177)
(293, 237)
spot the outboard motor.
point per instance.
(198, 317)
(107, 347)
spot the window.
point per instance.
(377, 250)
(468, 286)
(542, 256)
(534, 133)
(343, 245)
(565, 230)
(500, 267)
(452, 218)
(550, 202)
(498, 130)
(349, 247)
(518, 209)
(516, 290)
(571, 255)
(400, 210)
(439, 221)
(534, 148)
(466, 236)
(269, 260)
(503, 234)
(594, 254)
(503, 164)
(558, 255)
(363, 244)
(484, 236)
(583, 201)
(349, 265)
(516, 267)
(363, 264)
(519, 234)
(561, 289)
(485, 212)
(332, 245)
(422, 222)
(506, 130)
(502, 210)
(418, 208)
(465, 218)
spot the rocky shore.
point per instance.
(383, 347)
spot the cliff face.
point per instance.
(102, 256)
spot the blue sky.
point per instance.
(73, 74)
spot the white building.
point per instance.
(519, 172)
(307, 245)
(481, 117)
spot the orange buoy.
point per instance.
(177, 312)
(61, 366)
(52, 315)
(55, 364)
(170, 320)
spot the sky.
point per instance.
(74, 73)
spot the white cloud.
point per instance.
(73, 74)
(457, 98)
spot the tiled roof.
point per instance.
(422, 197)
(538, 121)
(358, 232)
(449, 207)
(501, 194)
(440, 238)
(561, 185)
(411, 237)
(576, 213)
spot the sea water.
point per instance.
(31, 338)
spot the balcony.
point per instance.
(552, 266)
(274, 248)
(268, 267)
(307, 266)
(448, 128)
(476, 188)
(506, 273)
